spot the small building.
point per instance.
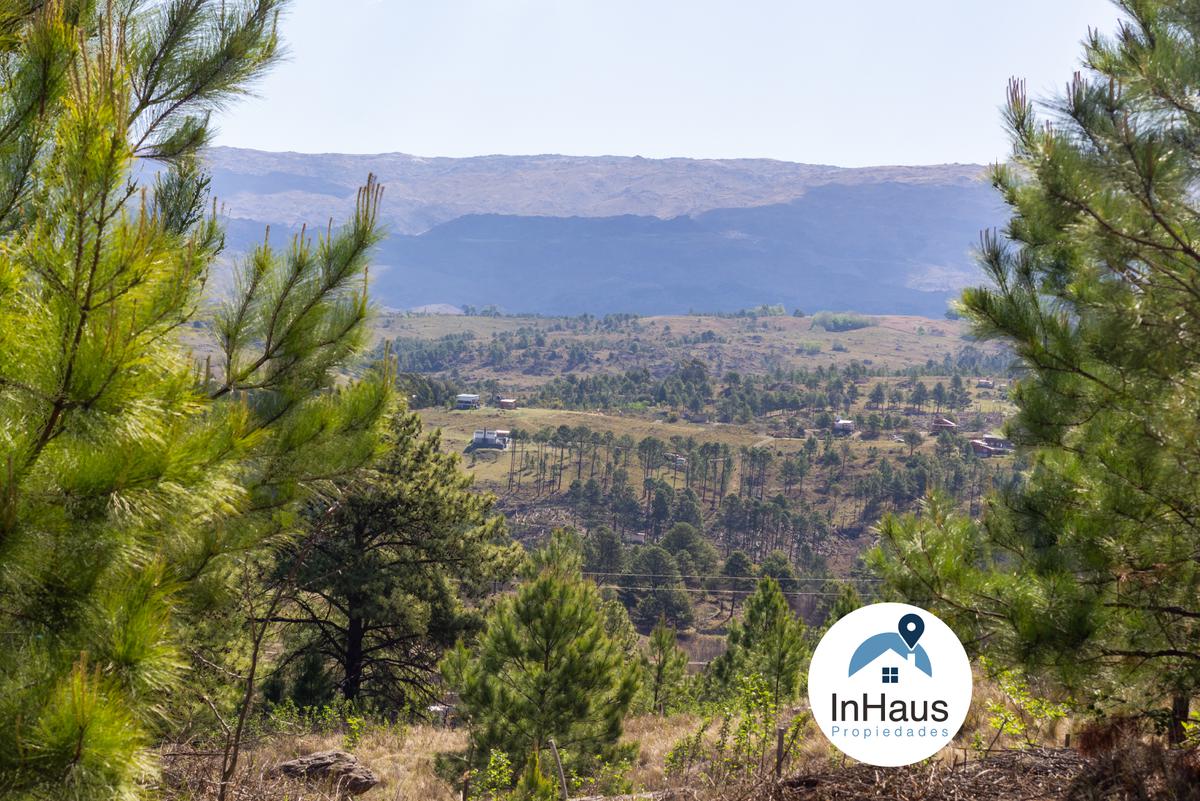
(941, 424)
(985, 383)
(632, 538)
(498, 439)
(466, 401)
(997, 442)
(507, 403)
(843, 427)
(984, 451)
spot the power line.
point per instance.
(722, 576)
(797, 593)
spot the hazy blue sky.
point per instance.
(848, 83)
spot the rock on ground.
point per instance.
(338, 768)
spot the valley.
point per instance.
(726, 423)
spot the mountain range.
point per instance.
(565, 234)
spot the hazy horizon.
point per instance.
(876, 84)
(429, 157)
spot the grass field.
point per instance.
(491, 467)
(744, 344)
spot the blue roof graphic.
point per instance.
(874, 647)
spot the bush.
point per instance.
(742, 748)
(840, 321)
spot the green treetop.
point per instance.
(664, 665)
(388, 585)
(769, 641)
(544, 668)
(1088, 568)
(134, 477)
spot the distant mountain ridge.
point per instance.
(566, 234)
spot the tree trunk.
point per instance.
(1180, 709)
(354, 659)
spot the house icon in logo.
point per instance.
(902, 642)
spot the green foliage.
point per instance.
(847, 601)
(494, 781)
(135, 483)
(545, 668)
(338, 717)
(1087, 569)
(742, 748)
(619, 627)
(779, 567)
(1022, 714)
(840, 321)
(607, 779)
(535, 785)
(664, 668)
(931, 557)
(659, 590)
(399, 566)
(769, 642)
(1191, 731)
(686, 538)
(354, 732)
(604, 554)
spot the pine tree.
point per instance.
(604, 554)
(664, 666)
(919, 396)
(1088, 569)
(545, 668)
(686, 538)
(657, 589)
(132, 479)
(878, 395)
(847, 601)
(736, 578)
(387, 588)
(769, 641)
(779, 567)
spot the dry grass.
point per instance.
(743, 344)
(655, 737)
(403, 759)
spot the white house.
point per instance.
(488, 438)
(466, 401)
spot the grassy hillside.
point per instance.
(582, 421)
(747, 344)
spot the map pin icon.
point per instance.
(911, 629)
